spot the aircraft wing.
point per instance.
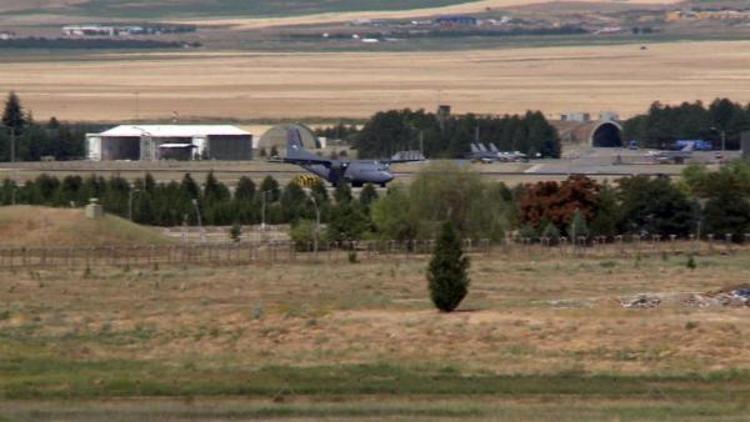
(405, 157)
(309, 161)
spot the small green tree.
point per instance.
(552, 233)
(368, 195)
(448, 271)
(303, 234)
(343, 193)
(578, 226)
(270, 187)
(235, 232)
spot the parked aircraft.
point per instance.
(355, 172)
(673, 157)
(491, 154)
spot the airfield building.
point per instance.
(162, 142)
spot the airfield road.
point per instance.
(596, 163)
(325, 86)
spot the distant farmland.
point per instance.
(171, 8)
(621, 78)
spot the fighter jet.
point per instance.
(355, 172)
(482, 153)
(673, 157)
(507, 156)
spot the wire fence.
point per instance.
(280, 252)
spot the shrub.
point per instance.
(447, 272)
(691, 263)
(235, 232)
(578, 227)
(303, 235)
(552, 233)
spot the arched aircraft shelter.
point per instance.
(607, 134)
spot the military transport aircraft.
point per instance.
(355, 172)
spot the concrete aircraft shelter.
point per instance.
(276, 137)
(603, 133)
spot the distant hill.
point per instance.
(42, 226)
(159, 9)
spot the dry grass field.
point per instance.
(40, 226)
(357, 340)
(623, 78)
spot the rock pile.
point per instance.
(641, 301)
(737, 297)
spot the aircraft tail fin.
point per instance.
(493, 147)
(294, 146)
(482, 147)
(474, 148)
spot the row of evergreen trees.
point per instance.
(175, 203)
(34, 141)
(662, 125)
(450, 137)
(701, 202)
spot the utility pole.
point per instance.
(130, 203)
(317, 225)
(723, 133)
(263, 213)
(421, 142)
(200, 222)
(12, 144)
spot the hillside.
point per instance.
(37, 226)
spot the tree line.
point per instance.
(209, 203)
(663, 124)
(701, 202)
(91, 43)
(34, 141)
(388, 132)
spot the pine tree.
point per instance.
(343, 193)
(189, 188)
(578, 227)
(270, 187)
(368, 195)
(13, 116)
(235, 232)
(447, 272)
(552, 233)
(245, 189)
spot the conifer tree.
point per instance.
(448, 271)
(245, 189)
(13, 116)
(368, 195)
(343, 193)
(578, 226)
(270, 187)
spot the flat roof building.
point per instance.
(144, 142)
